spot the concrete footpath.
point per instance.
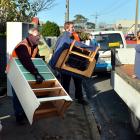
(78, 124)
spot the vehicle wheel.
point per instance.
(135, 123)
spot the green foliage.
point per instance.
(21, 10)
(90, 25)
(50, 29)
(2, 28)
(14, 10)
(83, 36)
(80, 19)
(2, 34)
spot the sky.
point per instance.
(107, 11)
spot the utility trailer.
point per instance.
(126, 87)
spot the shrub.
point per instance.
(2, 29)
(50, 29)
(83, 36)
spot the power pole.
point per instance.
(96, 17)
(67, 11)
(136, 16)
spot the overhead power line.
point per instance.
(115, 7)
(96, 18)
(111, 5)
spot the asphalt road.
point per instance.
(78, 124)
(111, 113)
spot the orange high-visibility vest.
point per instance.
(76, 36)
(25, 43)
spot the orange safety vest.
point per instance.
(25, 43)
(76, 36)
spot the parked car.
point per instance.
(103, 39)
(130, 37)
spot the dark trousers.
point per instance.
(18, 110)
(65, 81)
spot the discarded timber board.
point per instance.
(38, 100)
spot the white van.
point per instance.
(103, 39)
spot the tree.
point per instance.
(90, 25)
(119, 27)
(21, 10)
(41, 5)
(50, 29)
(7, 10)
(83, 36)
(80, 21)
(7, 13)
(102, 25)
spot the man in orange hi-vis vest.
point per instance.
(26, 50)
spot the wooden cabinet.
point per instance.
(77, 60)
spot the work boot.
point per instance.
(82, 101)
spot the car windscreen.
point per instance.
(104, 39)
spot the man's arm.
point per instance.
(82, 45)
(24, 57)
(69, 40)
